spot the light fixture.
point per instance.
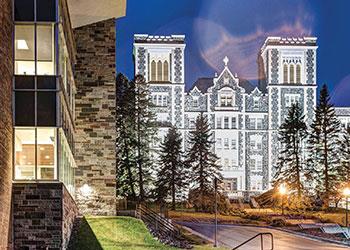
(42, 148)
(22, 45)
(282, 189)
(47, 157)
(346, 191)
(85, 190)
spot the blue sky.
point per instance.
(238, 28)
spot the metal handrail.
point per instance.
(261, 240)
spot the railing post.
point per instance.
(262, 241)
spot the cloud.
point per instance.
(340, 95)
(215, 42)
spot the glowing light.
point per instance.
(85, 190)
(22, 45)
(47, 157)
(282, 189)
(346, 191)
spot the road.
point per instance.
(232, 235)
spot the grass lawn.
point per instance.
(107, 233)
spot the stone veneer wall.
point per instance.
(6, 70)
(43, 215)
(95, 118)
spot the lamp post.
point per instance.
(216, 211)
(282, 190)
(346, 193)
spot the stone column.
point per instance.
(95, 118)
(6, 70)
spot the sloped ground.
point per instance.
(107, 233)
(114, 233)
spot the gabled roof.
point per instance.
(204, 83)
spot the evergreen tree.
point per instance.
(292, 134)
(202, 159)
(172, 175)
(145, 127)
(125, 139)
(345, 157)
(324, 141)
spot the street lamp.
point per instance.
(346, 193)
(282, 190)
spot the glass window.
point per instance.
(226, 143)
(259, 123)
(226, 125)
(153, 71)
(233, 144)
(24, 82)
(285, 73)
(298, 73)
(218, 122)
(45, 50)
(24, 108)
(46, 108)
(195, 102)
(24, 50)
(166, 71)
(252, 123)
(291, 73)
(234, 184)
(24, 10)
(24, 154)
(46, 153)
(219, 143)
(45, 10)
(46, 82)
(233, 122)
(159, 71)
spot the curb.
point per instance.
(307, 236)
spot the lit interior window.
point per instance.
(43, 142)
(24, 50)
(45, 50)
(46, 156)
(25, 154)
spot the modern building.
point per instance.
(57, 123)
(244, 118)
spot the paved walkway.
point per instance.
(232, 235)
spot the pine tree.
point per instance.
(145, 127)
(125, 144)
(345, 157)
(292, 134)
(202, 159)
(324, 141)
(172, 175)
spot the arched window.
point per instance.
(166, 71)
(153, 71)
(285, 73)
(159, 71)
(298, 75)
(291, 73)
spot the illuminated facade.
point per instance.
(244, 118)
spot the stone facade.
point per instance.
(244, 118)
(6, 70)
(43, 216)
(95, 118)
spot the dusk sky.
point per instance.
(238, 28)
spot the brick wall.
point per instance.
(5, 118)
(43, 215)
(95, 118)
